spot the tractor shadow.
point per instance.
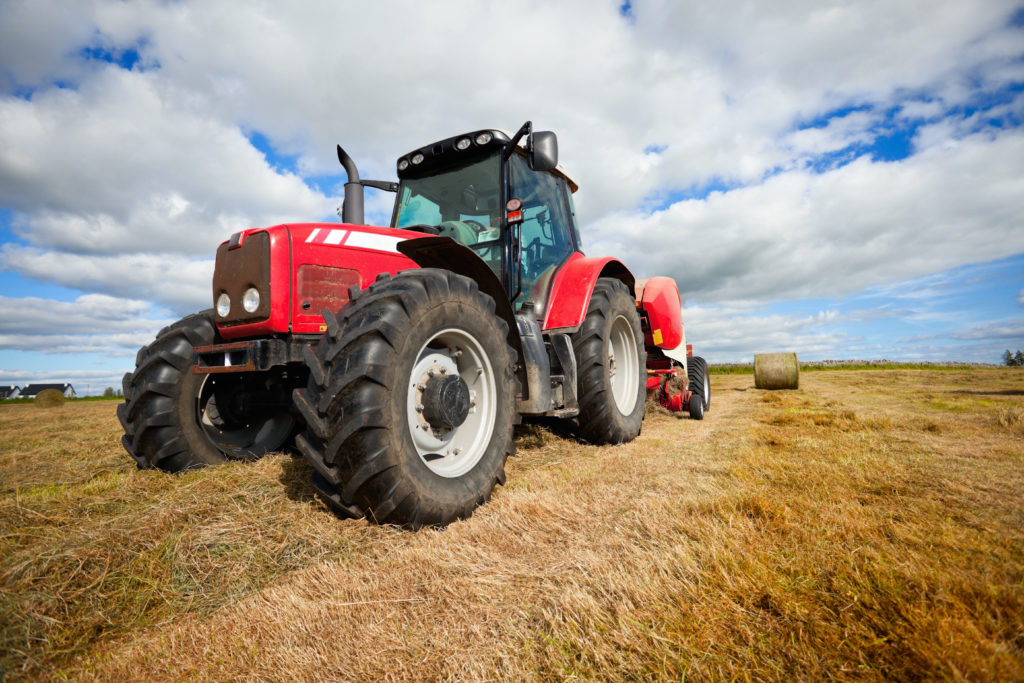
(1006, 392)
(535, 431)
(295, 475)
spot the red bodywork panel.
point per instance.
(571, 290)
(328, 258)
(659, 298)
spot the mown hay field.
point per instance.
(868, 526)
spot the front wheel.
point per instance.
(410, 401)
(175, 419)
(611, 366)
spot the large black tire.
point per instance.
(696, 407)
(176, 420)
(698, 380)
(611, 366)
(375, 454)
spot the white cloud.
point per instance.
(123, 182)
(177, 282)
(717, 87)
(36, 37)
(801, 234)
(91, 324)
(1000, 330)
(837, 134)
(110, 330)
(735, 333)
(111, 345)
(126, 164)
(86, 314)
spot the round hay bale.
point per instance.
(49, 398)
(776, 371)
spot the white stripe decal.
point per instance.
(335, 237)
(312, 235)
(369, 240)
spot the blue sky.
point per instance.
(842, 180)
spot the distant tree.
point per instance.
(1018, 358)
(109, 391)
(1008, 358)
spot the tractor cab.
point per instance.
(502, 196)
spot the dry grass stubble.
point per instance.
(866, 526)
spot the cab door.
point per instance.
(545, 236)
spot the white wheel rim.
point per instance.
(707, 388)
(623, 368)
(452, 452)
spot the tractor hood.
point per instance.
(279, 280)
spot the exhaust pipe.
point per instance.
(352, 208)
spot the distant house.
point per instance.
(32, 390)
(10, 392)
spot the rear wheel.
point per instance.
(410, 401)
(696, 406)
(698, 379)
(611, 366)
(174, 419)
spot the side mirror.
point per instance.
(542, 149)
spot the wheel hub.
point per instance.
(451, 403)
(446, 401)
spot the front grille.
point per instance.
(324, 287)
(239, 269)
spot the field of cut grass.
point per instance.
(869, 526)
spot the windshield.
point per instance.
(462, 201)
(469, 193)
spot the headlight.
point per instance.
(464, 143)
(484, 138)
(403, 164)
(250, 300)
(417, 159)
(223, 304)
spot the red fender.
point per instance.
(573, 285)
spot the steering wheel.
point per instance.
(476, 225)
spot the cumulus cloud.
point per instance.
(803, 234)
(1008, 329)
(86, 314)
(107, 329)
(121, 181)
(36, 37)
(177, 282)
(112, 345)
(716, 88)
(126, 164)
(734, 333)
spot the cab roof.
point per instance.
(432, 154)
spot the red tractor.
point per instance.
(397, 360)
